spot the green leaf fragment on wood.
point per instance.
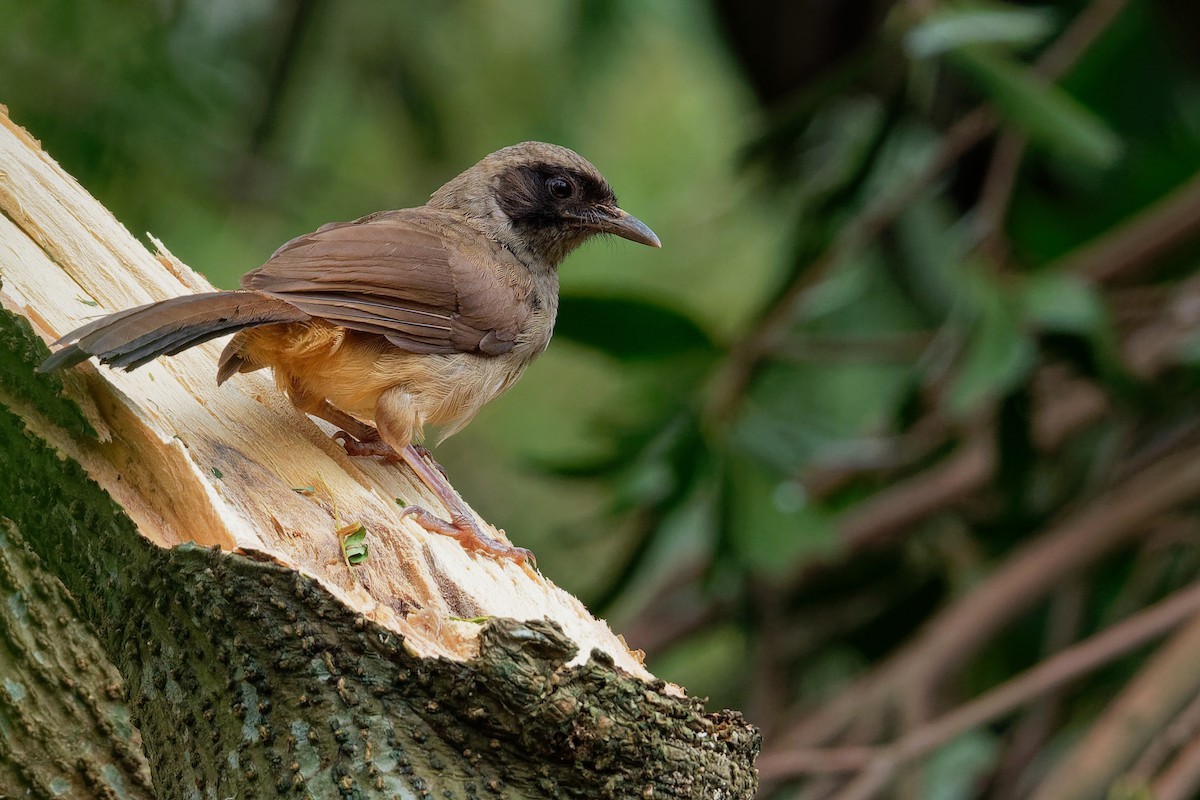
(307, 491)
(353, 538)
(217, 473)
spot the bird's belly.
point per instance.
(351, 370)
(453, 388)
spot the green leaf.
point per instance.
(1046, 113)
(999, 353)
(1188, 351)
(217, 473)
(629, 327)
(776, 527)
(1060, 301)
(949, 29)
(1130, 787)
(955, 769)
(353, 538)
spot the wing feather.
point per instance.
(403, 275)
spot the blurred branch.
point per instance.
(996, 194)
(1170, 549)
(1112, 518)
(1030, 734)
(1028, 575)
(889, 458)
(770, 678)
(890, 512)
(1181, 779)
(1081, 34)
(1129, 724)
(1156, 344)
(878, 765)
(1135, 245)
(673, 612)
(1168, 741)
(873, 521)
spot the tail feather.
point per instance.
(138, 339)
(129, 339)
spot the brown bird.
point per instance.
(401, 318)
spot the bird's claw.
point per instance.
(470, 535)
(357, 448)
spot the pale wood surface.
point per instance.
(167, 431)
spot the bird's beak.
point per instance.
(614, 220)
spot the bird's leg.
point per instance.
(399, 419)
(462, 524)
(357, 437)
(362, 440)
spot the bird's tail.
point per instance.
(131, 338)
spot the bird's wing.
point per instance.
(399, 275)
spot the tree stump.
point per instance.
(195, 531)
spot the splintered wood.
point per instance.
(237, 466)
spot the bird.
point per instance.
(399, 319)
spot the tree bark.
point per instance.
(163, 513)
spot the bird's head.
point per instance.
(541, 201)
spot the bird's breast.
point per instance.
(542, 302)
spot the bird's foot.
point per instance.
(367, 448)
(470, 535)
(462, 525)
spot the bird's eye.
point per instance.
(560, 188)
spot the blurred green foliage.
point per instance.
(227, 128)
(735, 445)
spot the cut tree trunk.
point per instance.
(229, 649)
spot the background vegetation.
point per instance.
(894, 445)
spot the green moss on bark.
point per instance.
(64, 730)
(20, 351)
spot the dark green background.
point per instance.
(753, 138)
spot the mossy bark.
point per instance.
(248, 679)
(64, 728)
